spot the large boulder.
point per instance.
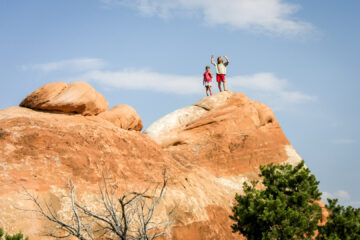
(161, 129)
(78, 97)
(231, 135)
(123, 116)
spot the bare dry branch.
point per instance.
(126, 217)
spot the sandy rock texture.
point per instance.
(161, 130)
(124, 117)
(230, 136)
(78, 97)
(209, 149)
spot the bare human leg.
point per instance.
(210, 91)
(219, 85)
(224, 82)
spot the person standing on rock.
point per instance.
(207, 80)
(220, 70)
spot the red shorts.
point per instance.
(220, 77)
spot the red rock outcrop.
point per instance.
(123, 116)
(229, 134)
(210, 149)
(78, 97)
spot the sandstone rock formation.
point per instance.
(124, 117)
(234, 136)
(160, 130)
(209, 149)
(78, 97)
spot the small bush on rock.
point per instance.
(17, 236)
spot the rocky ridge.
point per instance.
(209, 149)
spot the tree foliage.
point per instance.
(283, 208)
(342, 223)
(17, 236)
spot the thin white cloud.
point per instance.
(145, 80)
(71, 65)
(266, 87)
(268, 83)
(343, 196)
(265, 84)
(326, 195)
(343, 141)
(276, 16)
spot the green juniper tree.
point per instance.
(342, 223)
(17, 236)
(283, 208)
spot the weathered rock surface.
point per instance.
(41, 150)
(210, 149)
(210, 102)
(123, 116)
(78, 97)
(160, 130)
(233, 137)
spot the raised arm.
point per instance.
(212, 60)
(227, 60)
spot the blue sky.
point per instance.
(299, 57)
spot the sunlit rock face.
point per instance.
(78, 97)
(209, 150)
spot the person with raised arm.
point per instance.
(220, 70)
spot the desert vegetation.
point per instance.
(342, 224)
(126, 216)
(285, 206)
(7, 236)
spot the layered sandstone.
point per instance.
(229, 134)
(124, 117)
(78, 97)
(209, 149)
